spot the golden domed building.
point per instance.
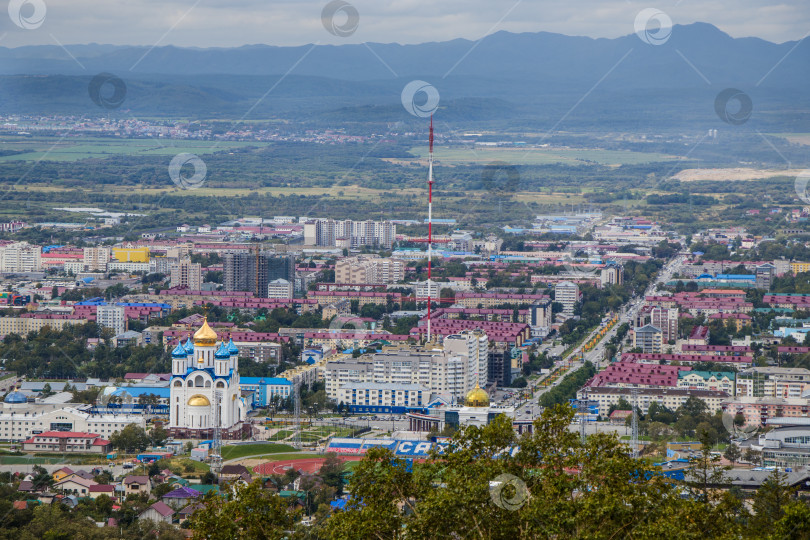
(477, 397)
(476, 411)
(202, 376)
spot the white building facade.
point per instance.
(205, 388)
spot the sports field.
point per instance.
(305, 465)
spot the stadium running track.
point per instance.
(304, 465)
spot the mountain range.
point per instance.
(620, 83)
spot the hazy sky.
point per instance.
(228, 23)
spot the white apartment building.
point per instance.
(771, 381)
(113, 317)
(280, 288)
(383, 397)
(612, 274)
(567, 294)
(96, 259)
(20, 421)
(423, 288)
(128, 266)
(371, 269)
(20, 257)
(473, 346)
(186, 274)
(452, 369)
(348, 233)
(671, 398)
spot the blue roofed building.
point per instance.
(264, 389)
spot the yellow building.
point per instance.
(131, 254)
(799, 267)
(34, 323)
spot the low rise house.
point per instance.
(159, 511)
(67, 442)
(134, 485)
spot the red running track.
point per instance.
(304, 465)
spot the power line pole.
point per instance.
(583, 411)
(216, 457)
(634, 439)
(297, 413)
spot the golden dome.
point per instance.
(198, 400)
(477, 397)
(205, 337)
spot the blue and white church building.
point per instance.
(199, 369)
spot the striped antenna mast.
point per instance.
(430, 223)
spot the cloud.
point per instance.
(214, 23)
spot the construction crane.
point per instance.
(257, 254)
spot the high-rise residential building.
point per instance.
(348, 233)
(500, 365)
(772, 381)
(567, 294)
(667, 320)
(452, 369)
(112, 317)
(20, 257)
(428, 288)
(648, 339)
(371, 269)
(474, 346)
(244, 272)
(280, 288)
(612, 274)
(764, 276)
(186, 274)
(541, 317)
(95, 259)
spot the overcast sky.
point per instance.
(229, 23)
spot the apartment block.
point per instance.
(369, 269)
(775, 382)
(648, 338)
(253, 273)
(567, 294)
(20, 257)
(349, 234)
(112, 317)
(186, 274)
(95, 259)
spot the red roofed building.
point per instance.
(76, 442)
(699, 336)
(650, 358)
(631, 374)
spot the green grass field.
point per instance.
(538, 156)
(52, 149)
(242, 450)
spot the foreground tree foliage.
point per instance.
(552, 487)
(248, 513)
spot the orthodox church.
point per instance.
(200, 370)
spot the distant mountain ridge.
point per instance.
(540, 56)
(528, 75)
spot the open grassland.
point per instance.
(534, 156)
(795, 138)
(74, 149)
